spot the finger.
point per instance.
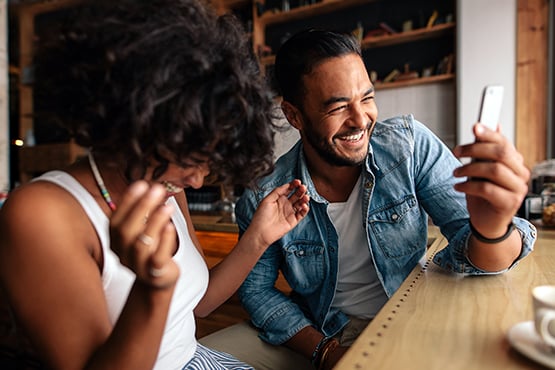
(163, 254)
(138, 210)
(485, 139)
(508, 176)
(302, 209)
(484, 133)
(150, 240)
(503, 153)
(298, 193)
(131, 195)
(497, 196)
(285, 190)
(157, 220)
(496, 173)
(301, 202)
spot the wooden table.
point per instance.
(440, 320)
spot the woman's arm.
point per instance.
(278, 213)
(50, 269)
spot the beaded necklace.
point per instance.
(100, 183)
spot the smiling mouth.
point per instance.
(171, 188)
(353, 138)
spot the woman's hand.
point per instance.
(143, 236)
(280, 211)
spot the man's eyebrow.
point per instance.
(342, 99)
(369, 91)
(335, 99)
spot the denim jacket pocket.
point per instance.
(304, 266)
(392, 223)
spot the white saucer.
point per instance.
(523, 337)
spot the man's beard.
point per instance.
(327, 151)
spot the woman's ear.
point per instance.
(292, 114)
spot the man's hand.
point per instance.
(497, 181)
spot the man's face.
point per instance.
(338, 112)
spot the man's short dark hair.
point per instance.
(301, 53)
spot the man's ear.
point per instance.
(292, 114)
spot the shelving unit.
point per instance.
(396, 39)
(429, 34)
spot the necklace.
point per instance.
(100, 183)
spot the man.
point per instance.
(372, 187)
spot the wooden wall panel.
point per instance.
(532, 77)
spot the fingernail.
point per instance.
(138, 187)
(480, 129)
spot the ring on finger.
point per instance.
(145, 239)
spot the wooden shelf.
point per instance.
(326, 6)
(393, 39)
(415, 81)
(409, 36)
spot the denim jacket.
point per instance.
(407, 176)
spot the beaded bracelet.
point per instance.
(483, 239)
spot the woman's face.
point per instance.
(179, 177)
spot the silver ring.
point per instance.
(156, 272)
(145, 239)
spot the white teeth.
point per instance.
(171, 188)
(354, 137)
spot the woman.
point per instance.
(99, 262)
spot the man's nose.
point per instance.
(359, 116)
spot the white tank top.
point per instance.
(178, 343)
(358, 292)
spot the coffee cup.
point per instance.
(543, 299)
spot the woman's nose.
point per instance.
(196, 179)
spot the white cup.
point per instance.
(543, 298)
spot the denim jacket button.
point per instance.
(394, 216)
(368, 184)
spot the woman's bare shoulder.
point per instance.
(37, 200)
(40, 211)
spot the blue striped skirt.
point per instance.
(210, 359)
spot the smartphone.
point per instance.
(490, 107)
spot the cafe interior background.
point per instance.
(430, 58)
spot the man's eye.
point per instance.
(368, 98)
(338, 109)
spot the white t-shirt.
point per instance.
(359, 292)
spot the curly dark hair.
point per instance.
(136, 80)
